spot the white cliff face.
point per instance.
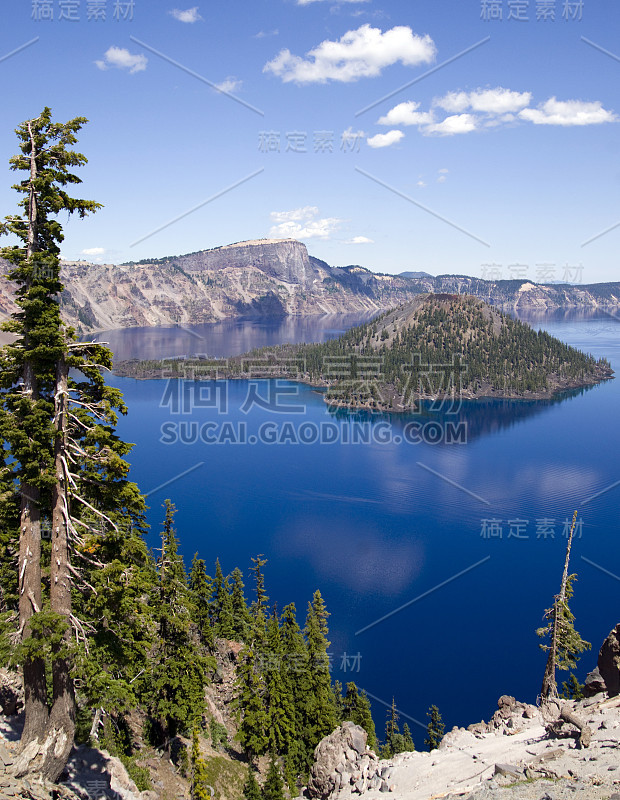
(283, 259)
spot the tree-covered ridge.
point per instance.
(449, 344)
(434, 346)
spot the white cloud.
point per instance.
(361, 53)
(442, 179)
(453, 101)
(421, 184)
(92, 251)
(190, 15)
(385, 139)
(231, 84)
(123, 59)
(568, 112)
(263, 34)
(443, 171)
(489, 108)
(407, 114)
(302, 223)
(457, 123)
(488, 101)
(360, 240)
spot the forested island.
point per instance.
(437, 345)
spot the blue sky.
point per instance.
(503, 162)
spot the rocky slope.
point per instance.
(523, 753)
(518, 755)
(270, 277)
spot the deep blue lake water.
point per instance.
(426, 605)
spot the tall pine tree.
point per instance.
(434, 729)
(178, 673)
(320, 717)
(201, 588)
(59, 433)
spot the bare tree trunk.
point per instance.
(48, 755)
(35, 701)
(35, 694)
(32, 197)
(585, 734)
(94, 728)
(61, 725)
(549, 686)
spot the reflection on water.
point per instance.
(230, 337)
(482, 417)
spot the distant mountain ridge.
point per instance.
(271, 277)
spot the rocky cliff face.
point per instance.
(282, 259)
(269, 277)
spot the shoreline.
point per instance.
(559, 386)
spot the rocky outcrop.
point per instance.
(343, 761)
(88, 774)
(609, 662)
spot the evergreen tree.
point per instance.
(340, 707)
(178, 672)
(572, 689)
(65, 460)
(295, 675)
(251, 789)
(356, 707)
(240, 612)
(273, 788)
(223, 609)
(258, 609)
(434, 729)
(408, 745)
(251, 715)
(320, 714)
(200, 588)
(392, 732)
(259, 583)
(278, 698)
(565, 644)
(199, 788)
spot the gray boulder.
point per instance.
(337, 760)
(594, 683)
(609, 661)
